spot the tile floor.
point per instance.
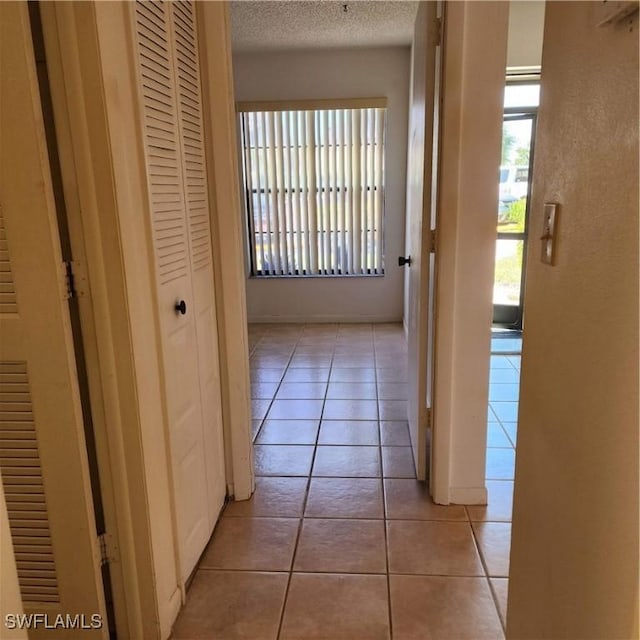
(339, 540)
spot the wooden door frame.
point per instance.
(474, 58)
(227, 226)
(120, 358)
(73, 56)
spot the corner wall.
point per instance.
(574, 552)
(474, 66)
(354, 73)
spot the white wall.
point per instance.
(475, 56)
(574, 551)
(354, 73)
(526, 23)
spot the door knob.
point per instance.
(402, 261)
(181, 307)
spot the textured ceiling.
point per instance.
(291, 24)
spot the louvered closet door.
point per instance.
(43, 459)
(187, 70)
(180, 232)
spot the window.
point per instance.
(521, 98)
(314, 188)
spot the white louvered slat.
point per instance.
(23, 487)
(8, 302)
(170, 91)
(161, 140)
(192, 135)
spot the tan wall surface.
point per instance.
(574, 556)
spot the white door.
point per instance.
(420, 222)
(187, 69)
(168, 74)
(43, 456)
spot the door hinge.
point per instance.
(432, 241)
(75, 279)
(437, 32)
(69, 279)
(107, 550)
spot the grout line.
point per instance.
(486, 571)
(253, 442)
(384, 495)
(309, 476)
(308, 487)
(352, 573)
(304, 504)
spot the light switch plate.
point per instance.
(548, 232)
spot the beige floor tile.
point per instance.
(351, 391)
(393, 409)
(266, 349)
(397, 462)
(392, 374)
(432, 548)
(336, 607)
(302, 391)
(511, 429)
(410, 500)
(282, 460)
(275, 497)
(266, 375)
(355, 432)
(268, 361)
(350, 410)
(500, 503)
(263, 390)
(345, 498)
(232, 605)
(259, 408)
(354, 361)
(394, 433)
(288, 432)
(392, 390)
(501, 589)
(494, 541)
(295, 409)
(353, 348)
(386, 360)
(496, 436)
(317, 374)
(443, 608)
(327, 341)
(341, 546)
(500, 464)
(347, 462)
(348, 374)
(310, 361)
(312, 350)
(254, 544)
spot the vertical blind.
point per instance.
(314, 185)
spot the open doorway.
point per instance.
(521, 99)
(518, 134)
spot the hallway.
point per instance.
(339, 540)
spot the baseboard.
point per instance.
(304, 319)
(468, 495)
